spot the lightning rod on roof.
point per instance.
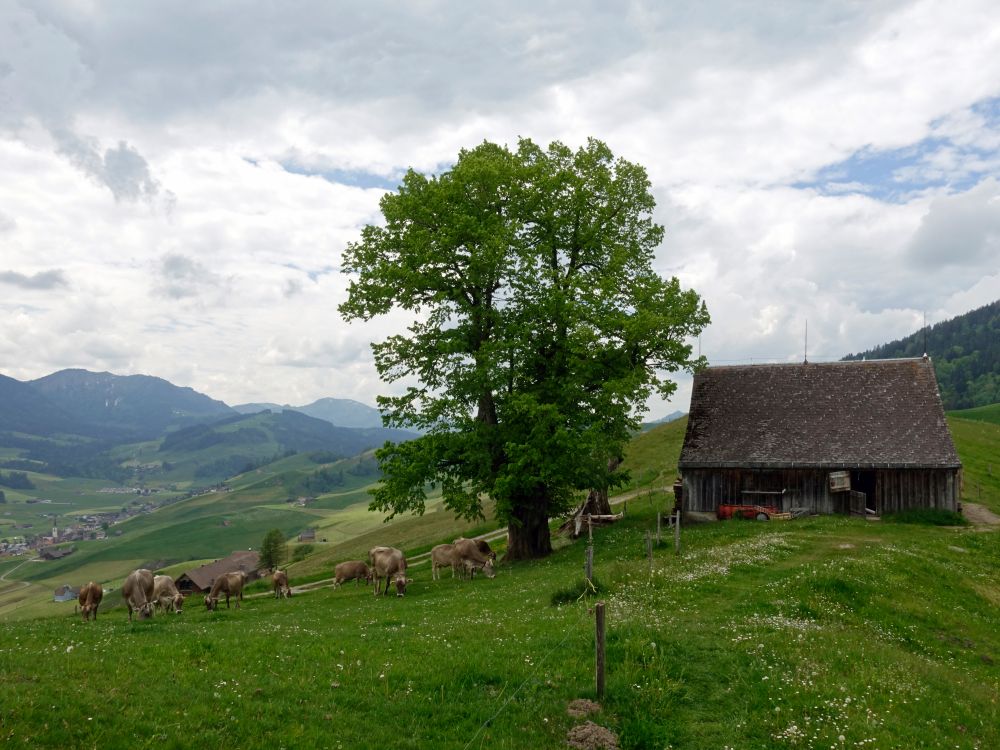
(805, 351)
(925, 334)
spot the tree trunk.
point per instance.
(528, 532)
(598, 503)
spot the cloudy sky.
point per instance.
(177, 182)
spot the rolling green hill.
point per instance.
(989, 413)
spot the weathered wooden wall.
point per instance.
(894, 489)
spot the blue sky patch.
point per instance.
(937, 161)
(349, 177)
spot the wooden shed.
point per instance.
(200, 579)
(836, 437)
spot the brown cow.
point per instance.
(389, 563)
(483, 546)
(137, 591)
(352, 570)
(166, 595)
(279, 579)
(442, 556)
(230, 584)
(90, 597)
(468, 557)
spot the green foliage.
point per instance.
(577, 592)
(302, 552)
(16, 480)
(273, 550)
(966, 354)
(929, 516)
(541, 330)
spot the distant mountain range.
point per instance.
(73, 422)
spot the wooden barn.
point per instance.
(200, 579)
(863, 437)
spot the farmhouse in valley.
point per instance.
(839, 437)
(200, 579)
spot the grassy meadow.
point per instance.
(827, 632)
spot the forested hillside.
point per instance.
(966, 354)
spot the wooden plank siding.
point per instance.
(894, 489)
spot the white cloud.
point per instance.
(143, 150)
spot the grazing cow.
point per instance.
(279, 579)
(469, 558)
(353, 570)
(389, 563)
(483, 546)
(90, 597)
(230, 584)
(442, 556)
(166, 595)
(137, 591)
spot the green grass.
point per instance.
(757, 636)
(989, 413)
(978, 445)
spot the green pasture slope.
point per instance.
(756, 636)
(819, 633)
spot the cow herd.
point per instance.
(143, 592)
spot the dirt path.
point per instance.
(980, 515)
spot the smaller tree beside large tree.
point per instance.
(273, 550)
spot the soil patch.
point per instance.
(591, 736)
(582, 707)
(980, 515)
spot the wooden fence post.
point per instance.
(588, 567)
(659, 516)
(649, 550)
(599, 610)
(677, 533)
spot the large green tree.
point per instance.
(540, 329)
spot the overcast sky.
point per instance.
(177, 182)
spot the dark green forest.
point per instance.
(966, 354)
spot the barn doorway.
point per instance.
(864, 482)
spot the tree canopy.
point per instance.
(273, 549)
(540, 329)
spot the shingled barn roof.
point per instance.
(875, 414)
(204, 575)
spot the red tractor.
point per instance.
(758, 512)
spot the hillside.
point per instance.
(341, 412)
(789, 635)
(966, 354)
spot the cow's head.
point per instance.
(178, 602)
(145, 611)
(489, 570)
(401, 580)
(210, 603)
(85, 611)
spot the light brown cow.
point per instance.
(230, 584)
(90, 597)
(442, 556)
(352, 570)
(279, 579)
(469, 558)
(389, 563)
(166, 595)
(137, 591)
(483, 546)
